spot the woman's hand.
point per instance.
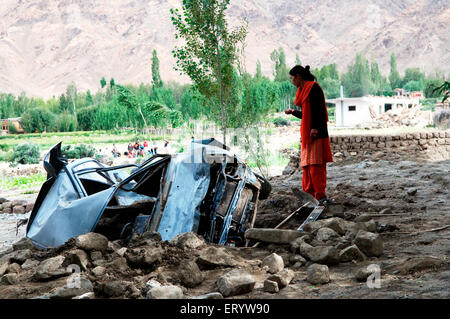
(314, 133)
(288, 111)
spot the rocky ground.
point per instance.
(387, 237)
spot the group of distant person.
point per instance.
(139, 149)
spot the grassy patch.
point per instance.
(22, 182)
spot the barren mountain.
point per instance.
(46, 45)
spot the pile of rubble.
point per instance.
(15, 206)
(399, 117)
(90, 266)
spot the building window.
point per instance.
(352, 108)
(387, 107)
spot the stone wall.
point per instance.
(359, 144)
(15, 206)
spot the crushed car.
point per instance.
(207, 190)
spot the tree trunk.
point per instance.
(145, 122)
(222, 107)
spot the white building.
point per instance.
(352, 111)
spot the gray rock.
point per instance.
(337, 224)
(213, 257)
(371, 226)
(188, 240)
(7, 211)
(362, 274)
(99, 271)
(363, 218)
(114, 288)
(76, 285)
(4, 264)
(318, 274)
(351, 253)
(271, 286)
(386, 211)
(295, 245)
(7, 204)
(118, 265)
(190, 274)
(325, 234)
(236, 282)
(283, 278)
(294, 259)
(30, 263)
(13, 268)
(3, 200)
(9, 279)
(92, 241)
(165, 292)
(51, 268)
(20, 256)
(144, 257)
(327, 255)
(77, 257)
(369, 243)
(152, 283)
(305, 250)
(19, 202)
(212, 295)
(97, 255)
(29, 207)
(274, 263)
(18, 210)
(276, 236)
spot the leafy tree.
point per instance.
(103, 82)
(156, 77)
(209, 52)
(394, 76)
(356, 80)
(258, 74)
(37, 120)
(26, 153)
(281, 72)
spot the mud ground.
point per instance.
(408, 196)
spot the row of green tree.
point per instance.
(170, 104)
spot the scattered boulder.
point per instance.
(13, 268)
(270, 235)
(327, 255)
(20, 256)
(3, 200)
(76, 285)
(118, 265)
(295, 245)
(274, 263)
(9, 279)
(77, 257)
(51, 268)
(271, 286)
(144, 257)
(19, 202)
(416, 264)
(297, 259)
(362, 274)
(4, 264)
(283, 278)
(114, 288)
(371, 226)
(351, 253)
(363, 218)
(369, 243)
(324, 234)
(235, 282)
(337, 224)
(29, 207)
(213, 257)
(165, 292)
(97, 255)
(18, 210)
(92, 241)
(318, 274)
(188, 240)
(190, 274)
(99, 271)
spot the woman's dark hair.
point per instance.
(303, 72)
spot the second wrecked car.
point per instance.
(207, 190)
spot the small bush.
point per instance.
(279, 121)
(78, 151)
(6, 156)
(26, 153)
(441, 118)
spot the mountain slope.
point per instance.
(46, 45)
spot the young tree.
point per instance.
(281, 71)
(210, 50)
(394, 76)
(156, 77)
(258, 74)
(103, 82)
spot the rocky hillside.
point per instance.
(45, 45)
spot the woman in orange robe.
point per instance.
(315, 142)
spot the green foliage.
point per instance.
(279, 121)
(86, 118)
(26, 153)
(103, 82)
(78, 151)
(156, 77)
(23, 182)
(394, 76)
(38, 120)
(281, 71)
